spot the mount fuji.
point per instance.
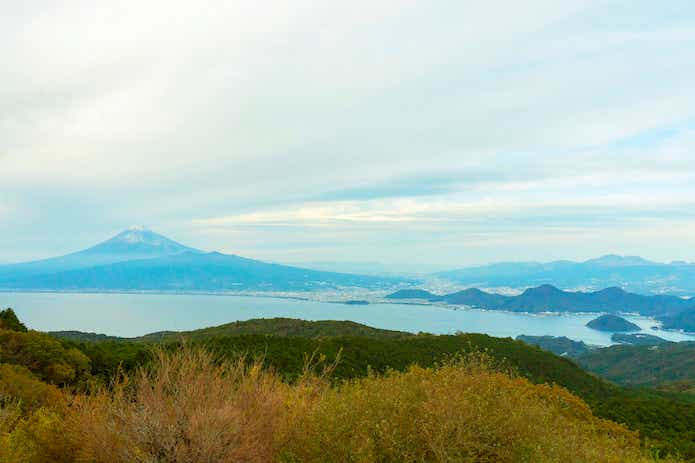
(132, 244)
(141, 260)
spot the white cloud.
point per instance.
(195, 117)
(486, 209)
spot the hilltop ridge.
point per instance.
(632, 273)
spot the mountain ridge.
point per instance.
(138, 259)
(631, 273)
(192, 271)
(548, 298)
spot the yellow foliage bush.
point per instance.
(17, 384)
(454, 414)
(38, 438)
(188, 407)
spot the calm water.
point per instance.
(137, 314)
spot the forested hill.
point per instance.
(675, 312)
(651, 365)
(261, 326)
(667, 420)
(548, 298)
(285, 345)
(34, 363)
(641, 361)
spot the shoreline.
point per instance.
(370, 301)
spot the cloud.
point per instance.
(519, 208)
(411, 186)
(353, 124)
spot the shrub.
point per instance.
(189, 406)
(19, 385)
(461, 412)
(43, 355)
(185, 408)
(38, 438)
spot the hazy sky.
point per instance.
(433, 132)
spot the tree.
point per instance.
(9, 321)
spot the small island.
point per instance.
(612, 323)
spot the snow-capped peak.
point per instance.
(141, 241)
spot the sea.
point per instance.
(133, 314)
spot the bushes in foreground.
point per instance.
(666, 422)
(18, 385)
(455, 413)
(44, 356)
(189, 407)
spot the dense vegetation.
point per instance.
(643, 365)
(666, 420)
(9, 321)
(44, 356)
(642, 360)
(638, 339)
(558, 345)
(666, 414)
(187, 406)
(266, 326)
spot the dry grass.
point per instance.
(189, 408)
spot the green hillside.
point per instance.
(643, 365)
(558, 345)
(667, 420)
(266, 326)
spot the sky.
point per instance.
(435, 133)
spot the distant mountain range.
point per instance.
(547, 298)
(631, 273)
(141, 260)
